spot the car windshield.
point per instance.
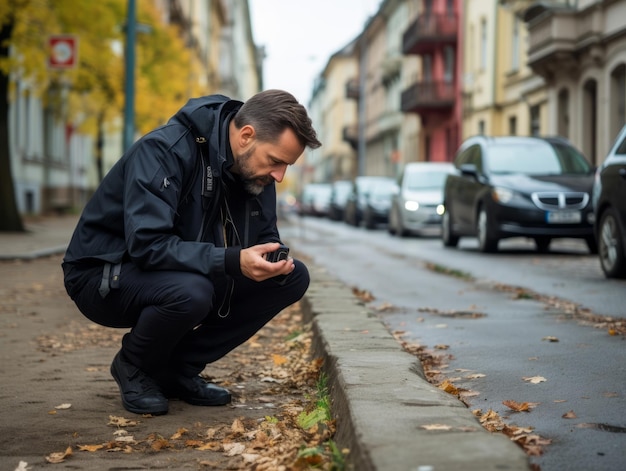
(538, 158)
(431, 180)
(382, 189)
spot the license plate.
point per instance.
(563, 217)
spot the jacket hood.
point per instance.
(194, 113)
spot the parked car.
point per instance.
(358, 197)
(378, 203)
(518, 186)
(315, 199)
(417, 202)
(609, 204)
(338, 199)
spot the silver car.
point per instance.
(417, 203)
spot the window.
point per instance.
(515, 44)
(483, 44)
(448, 73)
(512, 125)
(535, 128)
(481, 127)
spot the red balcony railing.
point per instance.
(429, 31)
(428, 96)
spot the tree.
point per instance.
(94, 87)
(9, 216)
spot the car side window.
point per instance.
(477, 158)
(464, 157)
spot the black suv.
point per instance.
(536, 187)
(609, 203)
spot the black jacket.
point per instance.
(153, 209)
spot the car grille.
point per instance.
(551, 200)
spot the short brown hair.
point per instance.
(271, 112)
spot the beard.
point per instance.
(253, 185)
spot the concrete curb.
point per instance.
(382, 400)
(35, 253)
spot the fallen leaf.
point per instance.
(476, 376)
(60, 456)
(209, 446)
(121, 421)
(436, 427)
(91, 448)
(237, 426)
(250, 457)
(448, 387)
(63, 406)
(233, 449)
(534, 379)
(160, 444)
(517, 406)
(279, 359)
(179, 433)
(549, 338)
(569, 415)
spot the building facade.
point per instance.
(56, 167)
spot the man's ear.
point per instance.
(247, 134)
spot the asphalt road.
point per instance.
(553, 353)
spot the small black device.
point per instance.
(277, 255)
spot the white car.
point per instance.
(417, 203)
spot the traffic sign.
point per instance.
(62, 51)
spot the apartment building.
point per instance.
(500, 94)
(579, 49)
(431, 73)
(57, 167)
(434, 95)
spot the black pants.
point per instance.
(175, 326)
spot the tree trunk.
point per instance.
(10, 219)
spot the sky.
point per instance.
(299, 37)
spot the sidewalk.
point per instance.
(387, 414)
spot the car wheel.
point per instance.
(391, 225)
(450, 239)
(542, 244)
(486, 243)
(610, 246)
(400, 230)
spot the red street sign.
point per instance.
(62, 51)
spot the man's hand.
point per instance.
(255, 267)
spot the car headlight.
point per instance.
(440, 209)
(502, 195)
(411, 205)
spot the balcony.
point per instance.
(353, 89)
(423, 97)
(350, 134)
(557, 36)
(429, 32)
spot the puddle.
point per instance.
(604, 427)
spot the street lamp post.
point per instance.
(129, 83)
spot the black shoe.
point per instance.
(140, 393)
(197, 391)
